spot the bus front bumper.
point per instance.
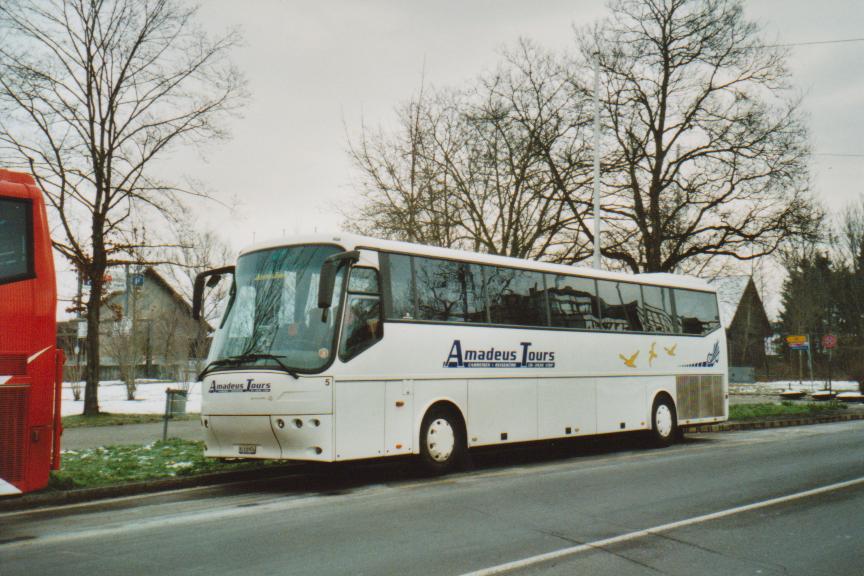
(277, 437)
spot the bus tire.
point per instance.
(664, 422)
(442, 440)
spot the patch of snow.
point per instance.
(149, 398)
(779, 385)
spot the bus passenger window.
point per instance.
(631, 303)
(401, 287)
(15, 240)
(611, 307)
(516, 297)
(572, 302)
(656, 310)
(439, 289)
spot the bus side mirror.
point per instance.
(327, 279)
(211, 278)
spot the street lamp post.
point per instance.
(598, 217)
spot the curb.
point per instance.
(775, 423)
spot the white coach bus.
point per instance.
(342, 347)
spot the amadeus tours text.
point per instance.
(522, 357)
(248, 386)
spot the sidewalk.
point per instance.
(93, 436)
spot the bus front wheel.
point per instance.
(442, 440)
(664, 422)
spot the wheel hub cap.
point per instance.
(663, 420)
(440, 440)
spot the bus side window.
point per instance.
(399, 276)
(656, 312)
(362, 326)
(697, 311)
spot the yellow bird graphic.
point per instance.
(631, 361)
(671, 350)
(652, 354)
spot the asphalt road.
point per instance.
(779, 501)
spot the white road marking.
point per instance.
(106, 501)
(232, 510)
(600, 544)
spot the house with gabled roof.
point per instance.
(146, 329)
(747, 325)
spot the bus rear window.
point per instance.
(16, 240)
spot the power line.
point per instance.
(814, 43)
(839, 154)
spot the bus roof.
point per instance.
(353, 241)
(18, 185)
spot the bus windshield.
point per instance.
(14, 239)
(273, 319)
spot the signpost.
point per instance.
(829, 342)
(801, 342)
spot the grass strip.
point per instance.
(786, 408)
(134, 463)
(108, 419)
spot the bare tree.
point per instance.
(401, 179)
(124, 345)
(850, 241)
(708, 153)
(195, 251)
(485, 168)
(92, 92)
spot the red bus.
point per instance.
(31, 365)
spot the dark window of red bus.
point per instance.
(16, 240)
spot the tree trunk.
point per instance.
(94, 309)
(653, 255)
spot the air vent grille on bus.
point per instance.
(13, 438)
(699, 396)
(13, 365)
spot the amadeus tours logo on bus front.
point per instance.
(523, 357)
(248, 386)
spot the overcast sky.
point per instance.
(316, 68)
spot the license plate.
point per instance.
(247, 449)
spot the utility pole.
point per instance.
(598, 217)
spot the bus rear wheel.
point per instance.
(664, 422)
(442, 440)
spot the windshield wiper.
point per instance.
(241, 358)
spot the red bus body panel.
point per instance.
(30, 363)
